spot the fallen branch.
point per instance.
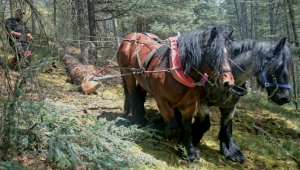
(286, 152)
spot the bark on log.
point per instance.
(77, 71)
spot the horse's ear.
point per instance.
(213, 33)
(280, 45)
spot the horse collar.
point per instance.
(178, 74)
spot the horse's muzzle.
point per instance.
(227, 80)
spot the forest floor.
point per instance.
(281, 122)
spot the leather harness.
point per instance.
(175, 63)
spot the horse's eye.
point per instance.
(279, 70)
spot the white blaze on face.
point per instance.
(225, 50)
(226, 63)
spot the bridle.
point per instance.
(274, 84)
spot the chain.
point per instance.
(209, 82)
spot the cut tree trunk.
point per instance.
(77, 71)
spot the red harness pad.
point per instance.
(178, 74)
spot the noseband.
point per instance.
(274, 84)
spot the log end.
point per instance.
(88, 86)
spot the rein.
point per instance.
(274, 84)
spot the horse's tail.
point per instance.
(126, 101)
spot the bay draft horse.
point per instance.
(200, 51)
(269, 63)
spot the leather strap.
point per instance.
(150, 55)
(141, 67)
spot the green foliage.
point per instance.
(96, 143)
(10, 166)
(164, 18)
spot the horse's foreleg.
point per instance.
(185, 141)
(201, 124)
(135, 98)
(228, 146)
(126, 101)
(169, 116)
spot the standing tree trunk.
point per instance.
(294, 83)
(297, 82)
(82, 32)
(287, 23)
(292, 16)
(272, 21)
(32, 20)
(297, 45)
(74, 22)
(255, 21)
(54, 17)
(92, 27)
(244, 21)
(116, 34)
(11, 8)
(252, 23)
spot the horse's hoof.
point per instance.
(193, 154)
(232, 152)
(141, 122)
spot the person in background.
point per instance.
(19, 36)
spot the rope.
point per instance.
(102, 70)
(209, 82)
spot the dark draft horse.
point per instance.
(269, 63)
(200, 51)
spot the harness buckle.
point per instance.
(267, 84)
(172, 69)
(197, 83)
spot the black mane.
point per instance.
(193, 44)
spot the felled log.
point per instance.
(76, 70)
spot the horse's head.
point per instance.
(208, 52)
(274, 72)
(218, 52)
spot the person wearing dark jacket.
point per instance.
(18, 38)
